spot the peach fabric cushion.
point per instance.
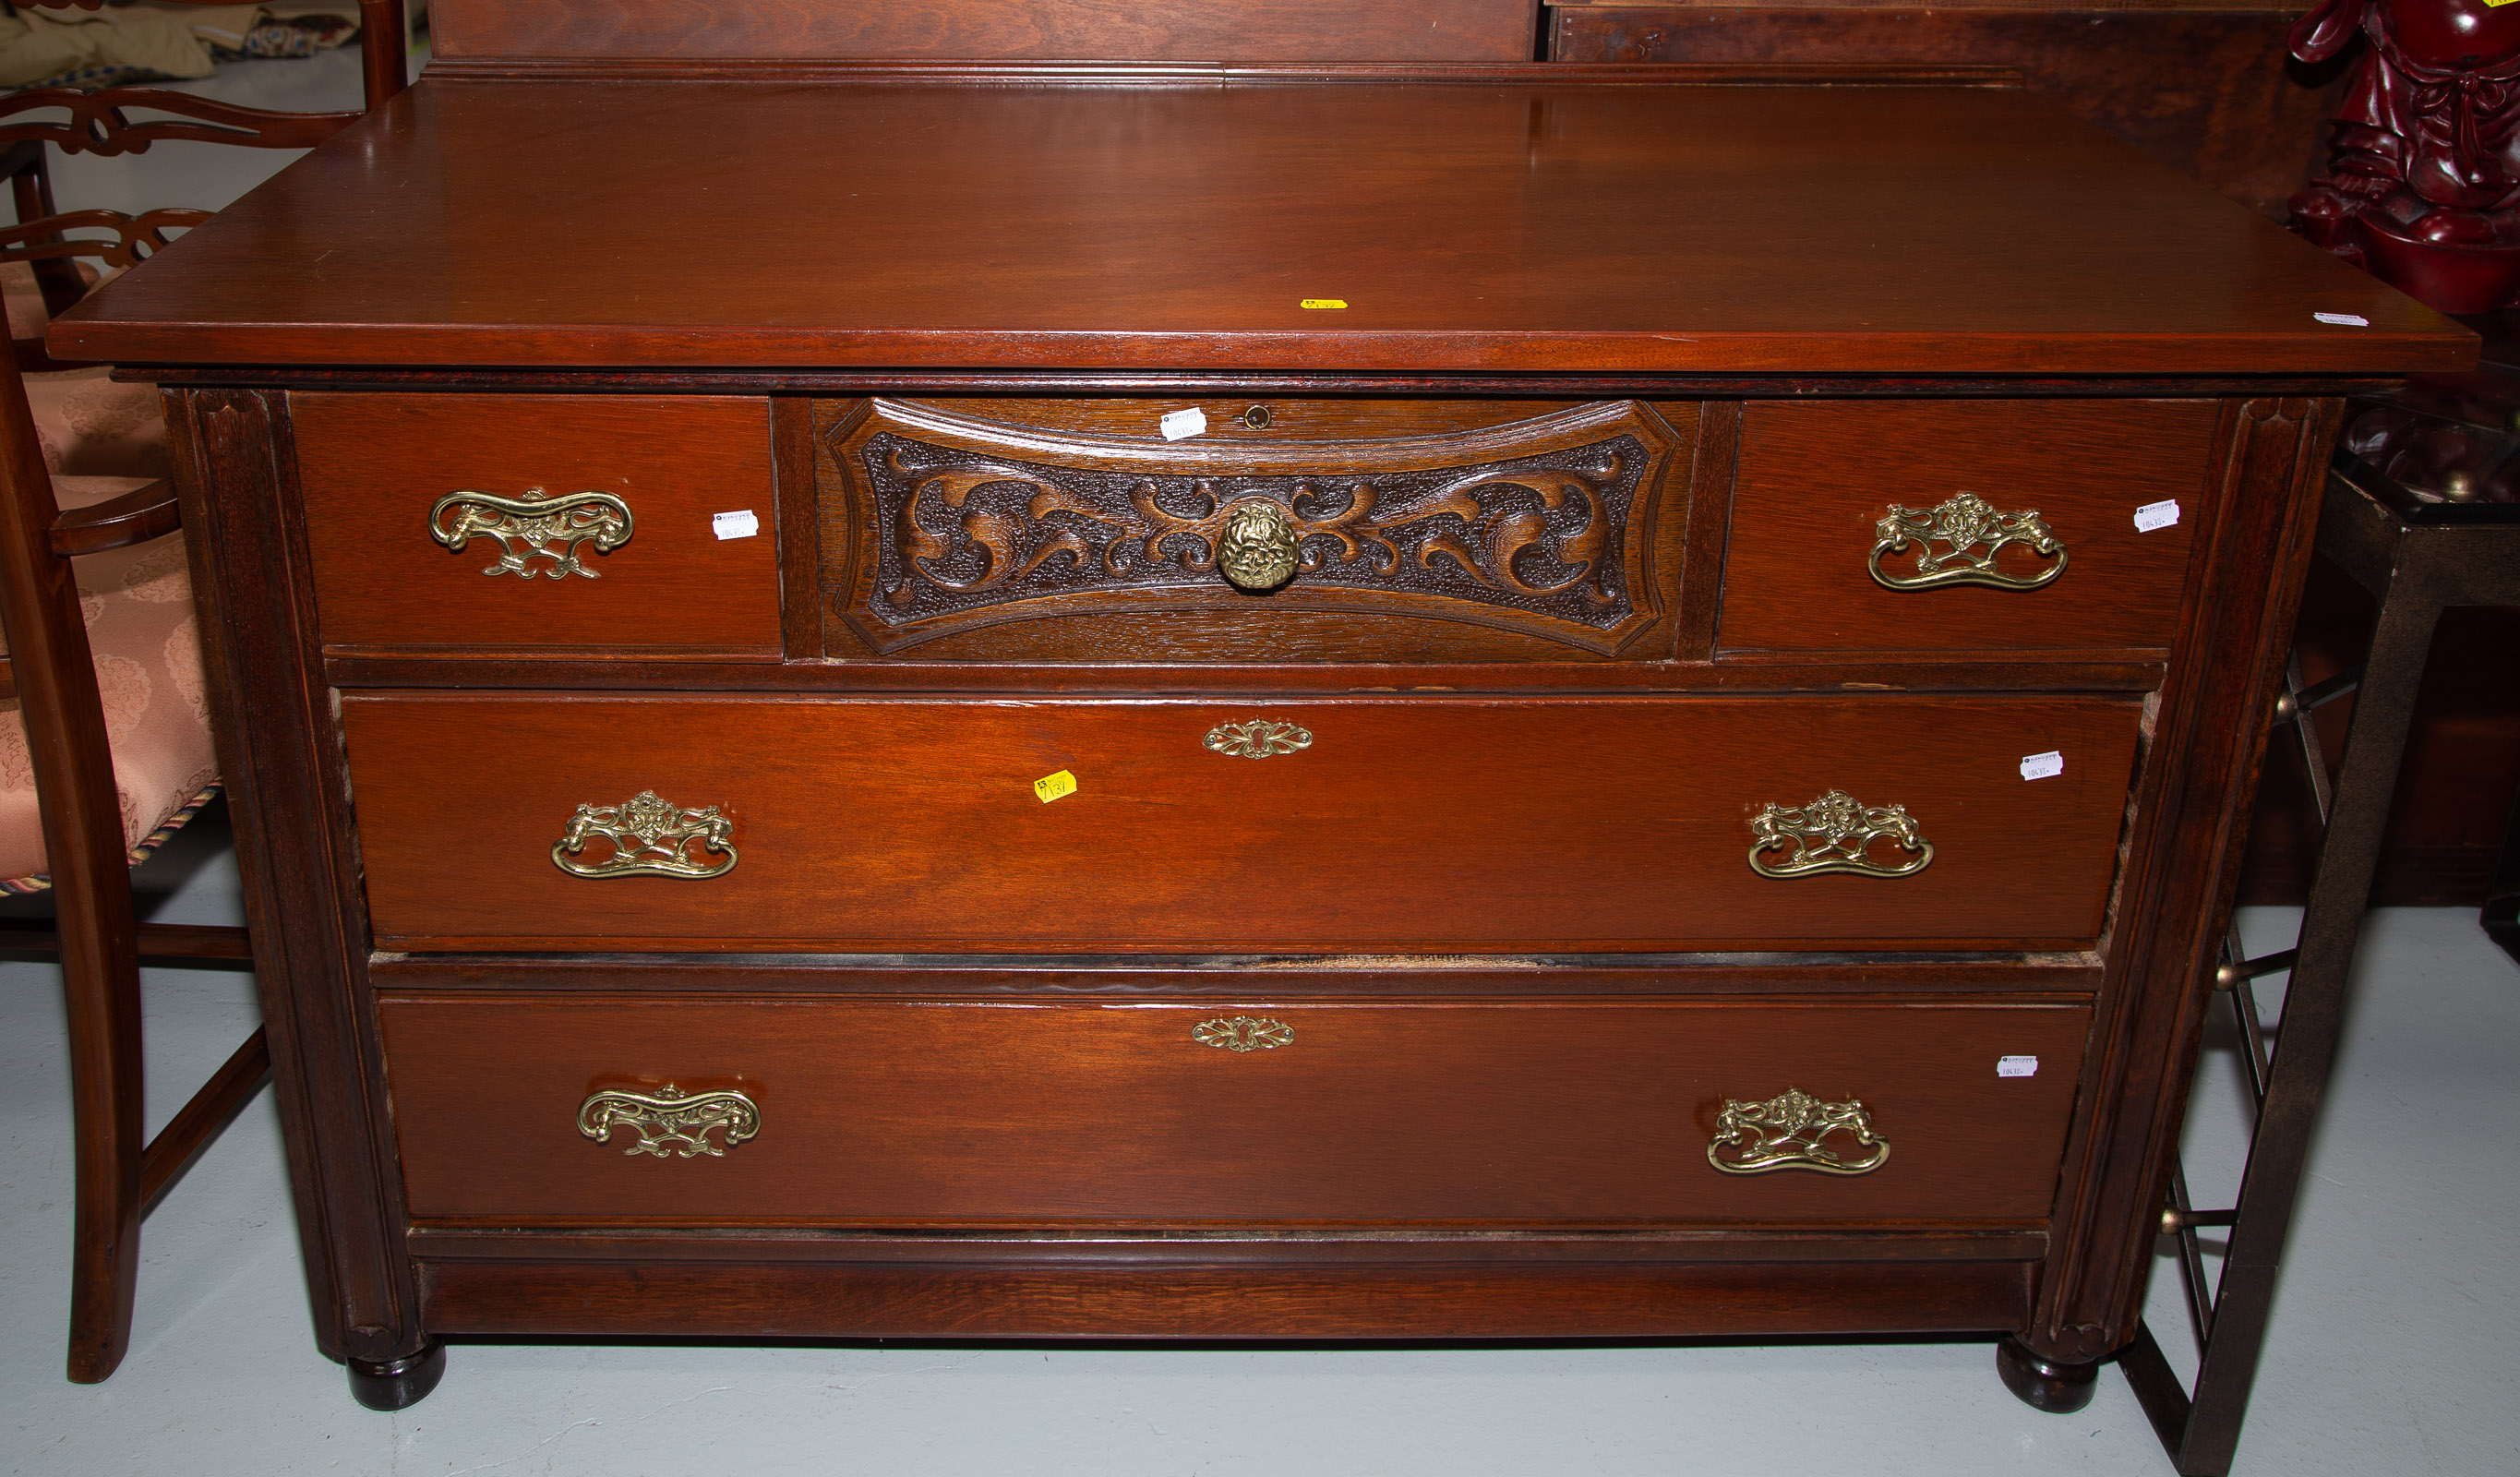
(147, 642)
(102, 439)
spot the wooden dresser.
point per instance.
(1179, 699)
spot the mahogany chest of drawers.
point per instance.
(1659, 756)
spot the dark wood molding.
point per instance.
(283, 766)
(2207, 740)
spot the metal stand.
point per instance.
(2414, 567)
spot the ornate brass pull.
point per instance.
(1257, 547)
(1786, 1132)
(1835, 834)
(671, 1119)
(1957, 544)
(649, 837)
(1259, 739)
(537, 525)
(1242, 1033)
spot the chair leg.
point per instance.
(106, 1084)
(211, 1109)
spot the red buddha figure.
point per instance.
(2424, 185)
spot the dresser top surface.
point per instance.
(1526, 221)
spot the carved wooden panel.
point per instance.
(951, 523)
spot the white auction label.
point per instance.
(2350, 320)
(1184, 423)
(2159, 514)
(740, 524)
(2047, 766)
(2016, 1066)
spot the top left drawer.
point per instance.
(526, 525)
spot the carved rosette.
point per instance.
(974, 524)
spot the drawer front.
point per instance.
(1827, 494)
(1360, 530)
(1479, 825)
(882, 1114)
(422, 521)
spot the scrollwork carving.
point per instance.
(100, 120)
(1033, 525)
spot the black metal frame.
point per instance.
(2415, 567)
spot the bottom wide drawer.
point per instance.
(553, 1109)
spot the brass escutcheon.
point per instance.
(1957, 544)
(538, 526)
(1259, 739)
(1835, 834)
(648, 836)
(1256, 549)
(1242, 1033)
(671, 1119)
(1786, 1132)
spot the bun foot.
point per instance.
(401, 1383)
(2042, 1384)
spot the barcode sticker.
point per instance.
(735, 525)
(2357, 319)
(2047, 766)
(2159, 514)
(1184, 423)
(1055, 786)
(2016, 1066)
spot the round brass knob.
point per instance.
(1257, 548)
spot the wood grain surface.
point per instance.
(997, 1114)
(995, 1295)
(1287, 30)
(1474, 825)
(1815, 477)
(2208, 89)
(1495, 226)
(371, 468)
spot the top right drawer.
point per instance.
(1968, 525)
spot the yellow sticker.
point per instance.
(1340, 303)
(1053, 787)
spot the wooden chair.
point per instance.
(88, 828)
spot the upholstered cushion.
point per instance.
(147, 644)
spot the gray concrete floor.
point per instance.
(2386, 1355)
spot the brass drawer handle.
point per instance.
(1957, 544)
(537, 525)
(1835, 834)
(1242, 1033)
(1258, 545)
(1259, 739)
(671, 1119)
(649, 837)
(1786, 1132)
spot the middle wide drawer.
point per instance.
(1456, 824)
